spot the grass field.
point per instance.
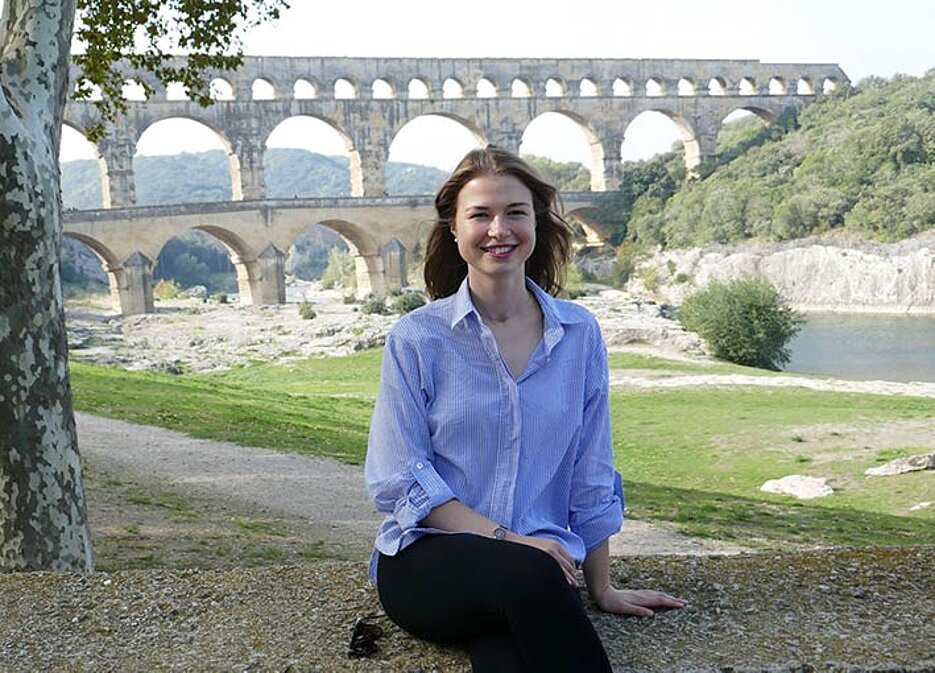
(694, 456)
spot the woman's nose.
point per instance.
(497, 226)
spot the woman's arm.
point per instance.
(641, 603)
(456, 517)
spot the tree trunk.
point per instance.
(43, 518)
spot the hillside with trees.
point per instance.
(861, 159)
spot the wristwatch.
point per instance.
(500, 533)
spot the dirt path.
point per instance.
(328, 497)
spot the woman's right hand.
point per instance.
(554, 549)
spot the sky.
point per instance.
(866, 37)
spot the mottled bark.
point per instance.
(43, 520)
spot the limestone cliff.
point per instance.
(818, 273)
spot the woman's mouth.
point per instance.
(499, 250)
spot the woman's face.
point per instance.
(495, 226)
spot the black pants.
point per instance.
(508, 604)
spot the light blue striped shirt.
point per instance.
(532, 453)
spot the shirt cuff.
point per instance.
(427, 492)
(598, 523)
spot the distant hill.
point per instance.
(205, 176)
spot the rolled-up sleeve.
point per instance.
(596, 503)
(400, 474)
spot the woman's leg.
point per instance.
(457, 588)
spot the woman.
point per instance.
(490, 446)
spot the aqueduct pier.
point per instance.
(367, 101)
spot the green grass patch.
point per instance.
(695, 457)
(624, 360)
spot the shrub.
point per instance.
(340, 271)
(166, 289)
(574, 282)
(374, 304)
(408, 301)
(306, 312)
(745, 321)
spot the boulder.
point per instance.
(798, 486)
(924, 461)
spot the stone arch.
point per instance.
(829, 84)
(462, 135)
(805, 86)
(128, 292)
(210, 124)
(587, 88)
(305, 88)
(452, 88)
(366, 252)
(382, 89)
(221, 89)
(133, 89)
(686, 132)
(747, 86)
(686, 87)
(655, 87)
(253, 285)
(345, 88)
(595, 234)
(777, 86)
(262, 88)
(175, 91)
(717, 86)
(418, 89)
(623, 86)
(103, 169)
(555, 87)
(596, 168)
(356, 172)
(486, 88)
(520, 88)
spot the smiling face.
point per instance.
(495, 225)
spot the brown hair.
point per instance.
(445, 269)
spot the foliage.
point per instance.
(745, 321)
(341, 270)
(166, 289)
(374, 304)
(628, 256)
(573, 286)
(306, 312)
(862, 160)
(645, 187)
(117, 37)
(407, 301)
(568, 176)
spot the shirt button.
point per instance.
(419, 466)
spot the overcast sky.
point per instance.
(864, 36)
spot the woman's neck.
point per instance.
(501, 300)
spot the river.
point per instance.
(865, 346)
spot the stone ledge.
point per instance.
(832, 610)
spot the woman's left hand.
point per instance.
(642, 603)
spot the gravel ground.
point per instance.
(833, 610)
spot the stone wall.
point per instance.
(819, 273)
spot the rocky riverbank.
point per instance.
(832, 272)
(196, 335)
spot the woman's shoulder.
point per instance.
(426, 322)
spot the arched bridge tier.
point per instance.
(258, 235)
(368, 101)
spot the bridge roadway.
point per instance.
(380, 231)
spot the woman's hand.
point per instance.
(554, 549)
(642, 603)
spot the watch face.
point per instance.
(499, 533)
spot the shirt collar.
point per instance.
(555, 313)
